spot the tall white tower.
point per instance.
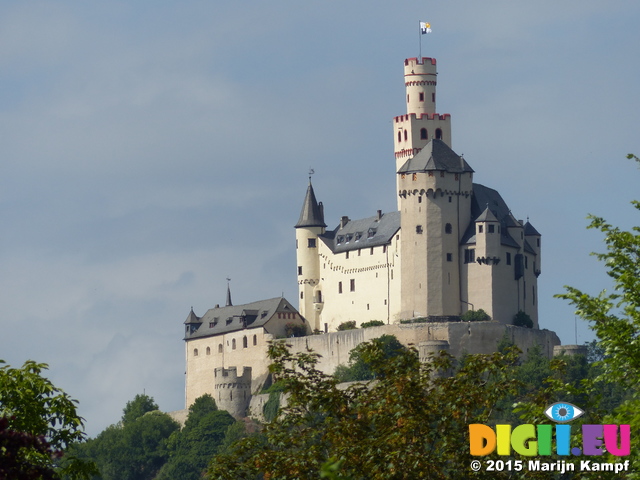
(421, 123)
(309, 227)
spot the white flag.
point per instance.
(425, 27)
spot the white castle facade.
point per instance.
(452, 246)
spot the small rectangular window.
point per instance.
(418, 228)
(339, 287)
(371, 250)
(311, 243)
(422, 96)
(469, 255)
(508, 258)
(352, 285)
(480, 228)
(449, 257)
(492, 228)
(346, 255)
(299, 270)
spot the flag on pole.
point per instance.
(425, 27)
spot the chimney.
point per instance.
(378, 215)
(343, 221)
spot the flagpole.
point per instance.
(420, 41)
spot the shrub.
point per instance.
(372, 323)
(350, 325)
(521, 319)
(475, 316)
(295, 330)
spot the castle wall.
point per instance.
(359, 285)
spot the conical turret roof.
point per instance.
(311, 214)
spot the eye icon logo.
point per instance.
(562, 412)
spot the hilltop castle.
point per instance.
(452, 246)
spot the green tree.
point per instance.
(359, 367)
(411, 420)
(372, 323)
(475, 316)
(192, 447)
(350, 325)
(137, 407)
(522, 319)
(39, 423)
(615, 317)
(135, 448)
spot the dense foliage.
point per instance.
(360, 367)
(475, 316)
(38, 423)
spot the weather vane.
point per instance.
(311, 172)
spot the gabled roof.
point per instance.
(436, 155)
(312, 214)
(363, 233)
(238, 317)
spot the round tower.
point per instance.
(420, 85)
(231, 391)
(308, 230)
(421, 123)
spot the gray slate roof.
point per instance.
(363, 233)
(484, 198)
(436, 155)
(312, 214)
(238, 317)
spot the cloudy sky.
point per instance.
(150, 149)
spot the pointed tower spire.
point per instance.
(312, 214)
(228, 303)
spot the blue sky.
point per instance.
(151, 149)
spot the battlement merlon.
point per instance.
(422, 116)
(231, 374)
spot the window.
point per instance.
(339, 287)
(255, 339)
(346, 255)
(359, 251)
(439, 133)
(526, 262)
(469, 255)
(319, 296)
(422, 96)
(301, 295)
(245, 343)
(414, 177)
(340, 239)
(508, 258)
(233, 344)
(299, 270)
(219, 348)
(407, 98)
(371, 232)
(212, 324)
(399, 136)
(420, 199)
(311, 243)
(480, 228)
(419, 229)
(433, 97)
(448, 228)
(405, 135)
(492, 228)
(371, 250)
(195, 352)
(208, 350)
(352, 285)
(423, 134)
(449, 257)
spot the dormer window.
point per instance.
(371, 233)
(348, 237)
(340, 239)
(358, 236)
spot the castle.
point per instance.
(452, 246)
